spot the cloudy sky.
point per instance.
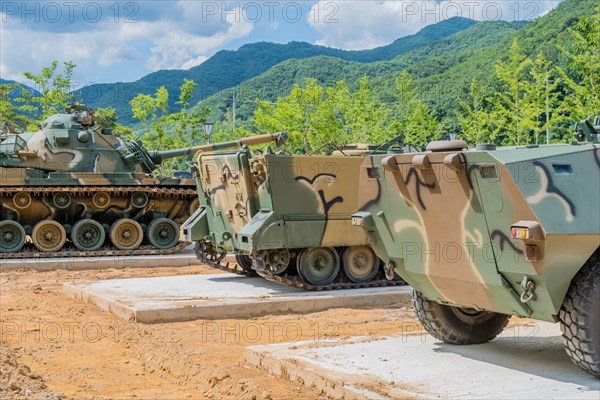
(124, 40)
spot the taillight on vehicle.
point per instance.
(357, 221)
(519, 233)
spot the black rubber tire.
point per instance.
(456, 325)
(580, 317)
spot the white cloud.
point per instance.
(357, 25)
(182, 36)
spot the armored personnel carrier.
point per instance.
(73, 189)
(488, 233)
(287, 217)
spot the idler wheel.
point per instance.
(359, 264)
(12, 236)
(126, 234)
(88, 235)
(319, 266)
(277, 261)
(163, 233)
(48, 236)
(245, 262)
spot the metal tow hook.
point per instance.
(389, 271)
(529, 289)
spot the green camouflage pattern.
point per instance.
(72, 169)
(443, 219)
(263, 205)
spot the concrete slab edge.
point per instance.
(106, 304)
(245, 308)
(272, 359)
(264, 307)
(100, 263)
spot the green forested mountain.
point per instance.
(442, 69)
(227, 69)
(17, 92)
(431, 59)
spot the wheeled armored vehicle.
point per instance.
(489, 233)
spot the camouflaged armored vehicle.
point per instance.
(74, 189)
(286, 217)
(488, 233)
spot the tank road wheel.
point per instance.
(359, 264)
(457, 325)
(12, 236)
(48, 236)
(126, 234)
(163, 233)
(139, 199)
(88, 235)
(319, 266)
(22, 200)
(62, 200)
(580, 317)
(101, 200)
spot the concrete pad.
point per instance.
(528, 361)
(220, 296)
(183, 258)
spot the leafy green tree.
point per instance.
(584, 60)
(508, 105)
(473, 118)
(413, 120)
(153, 110)
(297, 114)
(365, 117)
(188, 124)
(107, 118)
(143, 107)
(54, 88)
(541, 99)
(11, 115)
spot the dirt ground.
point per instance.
(54, 347)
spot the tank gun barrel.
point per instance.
(280, 138)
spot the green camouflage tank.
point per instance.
(74, 189)
(487, 233)
(286, 217)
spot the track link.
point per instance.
(102, 252)
(93, 189)
(215, 261)
(107, 251)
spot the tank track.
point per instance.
(94, 189)
(215, 261)
(106, 251)
(102, 252)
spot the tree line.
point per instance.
(536, 97)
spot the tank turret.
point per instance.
(74, 189)
(73, 142)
